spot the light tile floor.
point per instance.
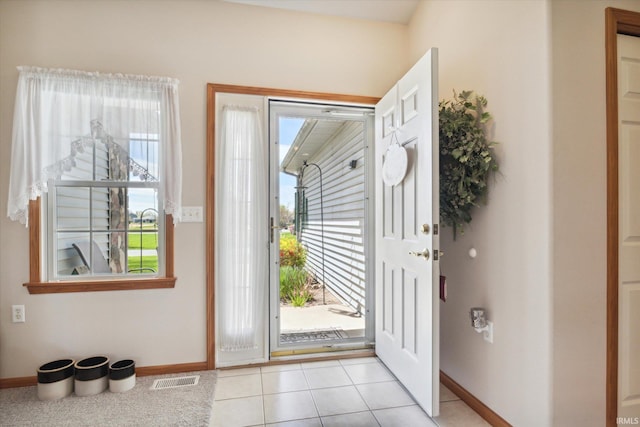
(349, 393)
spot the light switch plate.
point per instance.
(192, 214)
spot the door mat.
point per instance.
(310, 336)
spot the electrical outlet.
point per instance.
(17, 314)
(192, 214)
(488, 334)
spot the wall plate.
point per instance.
(488, 334)
(192, 214)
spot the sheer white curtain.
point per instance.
(57, 112)
(241, 229)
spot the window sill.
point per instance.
(100, 285)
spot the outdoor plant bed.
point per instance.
(297, 287)
(316, 297)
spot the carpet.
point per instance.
(309, 336)
(184, 406)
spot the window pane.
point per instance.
(143, 248)
(143, 154)
(143, 205)
(143, 251)
(116, 254)
(91, 253)
(117, 215)
(100, 208)
(143, 230)
(72, 208)
(79, 167)
(118, 163)
(100, 160)
(70, 260)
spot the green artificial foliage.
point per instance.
(466, 158)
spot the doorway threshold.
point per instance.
(313, 354)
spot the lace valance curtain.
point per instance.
(55, 109)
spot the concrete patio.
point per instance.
(322, 317)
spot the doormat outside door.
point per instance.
(311, 336)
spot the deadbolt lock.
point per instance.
(425, 228)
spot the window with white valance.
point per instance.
(101, 153)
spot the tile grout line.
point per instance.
(363, 399)
(344, 370)
(264, 411)
(313, 399)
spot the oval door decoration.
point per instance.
(394, 167)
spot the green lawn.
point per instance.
(143, 241)
(147, 262)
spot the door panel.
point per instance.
(409, 198)
(629, 223)
(409, 310)
(407, 321)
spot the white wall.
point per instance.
(541, 268)
(196, 42)
(500, 50)
(579, 210)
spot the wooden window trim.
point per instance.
(37, 286)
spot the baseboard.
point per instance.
(473, 402)
(140, 371)
(18, 382)
(171, 369)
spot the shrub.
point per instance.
(300, 298)
(291, 278)
(292, 253)
(294, 285)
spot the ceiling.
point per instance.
(397, 11)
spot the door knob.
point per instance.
(424, 253)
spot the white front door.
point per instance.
(407, 243)
(629, 228)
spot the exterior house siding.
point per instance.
(72, 210)
(344, 212)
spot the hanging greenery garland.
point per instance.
(467, 159)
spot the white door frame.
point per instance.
(293, 108)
